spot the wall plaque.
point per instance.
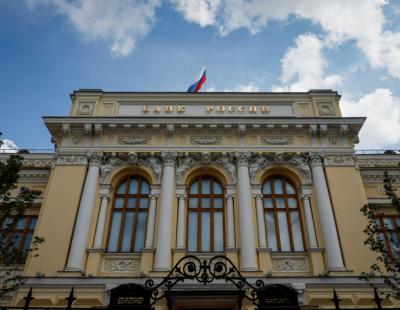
(277, 296)
(129, 296)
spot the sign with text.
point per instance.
(244, 109)
(129, 296)
(277, 296)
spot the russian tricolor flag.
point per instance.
(196, 86)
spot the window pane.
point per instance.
(115, 226)
(133, 186)
(280, 203)
(278, 186)
(119, 203)
(192, 235)
(289, 188)
(144, 202)
(205, 232)
(145, 189)
(292, 202)
(32, 224)
(7, 221)
(205, 186)
(268, 203)
(267, 188)
(218, 232)
(131, 203)
(127, 235)
(218, 203)
(20, 223)
(205, 202)
(121, 188)
(217, 188)
(193, 203)
(283, 231)
(140, 231)
(194, 188)
(388, 223)
(16, 238)
(27, 242)
(296, 231)
(398, 222)
(271, 235)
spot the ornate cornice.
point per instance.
(339, 160)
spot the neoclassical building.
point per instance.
(139, 180)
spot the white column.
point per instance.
(180, 240)
(101, 221)
(312, 239)
(248, 252)
(329, 231)
(164, 234)
(81, 232)
(230, 221)
(151, 222)
(262, 238)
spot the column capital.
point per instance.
(181, 196)
(95, 159)
(242, 158)
(229, 196)
(168, 158)
(258, 196)
(316, 159)
(152, 196)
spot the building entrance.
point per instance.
(196, 284)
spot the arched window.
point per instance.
(205, 215)
(129, 215)
(282, 216)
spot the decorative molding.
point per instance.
(85, 108)
(325, 109)
(277, 140)
(338, 160)
(206, 140)
(302, 165)
(289, 264)
(134, 140)
(379, 161)
(71, 160)
(257, 164)
(376, 176)
(121, 265)
(37, 163)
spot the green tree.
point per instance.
(387, 265)
(13, 204)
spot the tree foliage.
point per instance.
(387, 265)
(14, 202)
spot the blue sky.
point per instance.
(48, 48)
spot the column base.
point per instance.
(334, 269)
(72, 269)
(161, 269)
(249, 269)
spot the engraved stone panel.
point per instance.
(134, 140)
(206, 140)
(290, 264)
(325, 109)
(121, 265)
(277, 140)
(85, 108)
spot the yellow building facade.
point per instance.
(139, 180)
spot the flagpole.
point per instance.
(205, 65)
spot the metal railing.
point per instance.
(71, 298)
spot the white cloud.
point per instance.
(242, 88)
(118, 22)
(202, 12)
(341, 20)
(382, 127)
(8, 146)
(303, 67)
